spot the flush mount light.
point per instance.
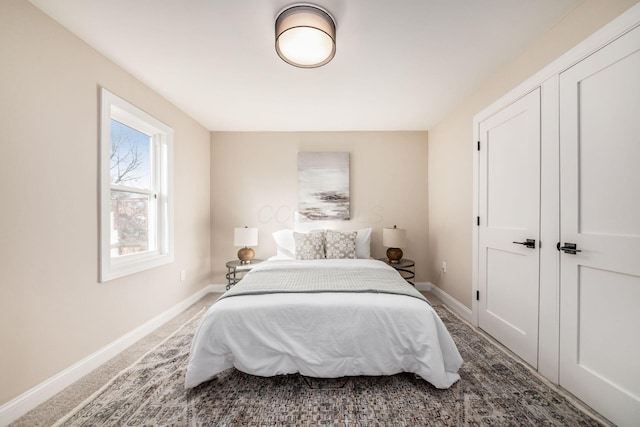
(305, 36)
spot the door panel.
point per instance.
(503, 290)
(610, 97)
(600, 213)
(505, 175)
(623, 294)
(509, 207)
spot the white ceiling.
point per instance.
(400, 65)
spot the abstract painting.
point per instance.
(323, 186)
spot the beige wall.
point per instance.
(451, 146)
(53, 312)
(254, 182)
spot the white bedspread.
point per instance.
(326, 335)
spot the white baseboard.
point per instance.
(217, 288)
(28, 400)
(456, 306)
(424, 286)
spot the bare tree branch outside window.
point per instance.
(126, 157)
(130, 158)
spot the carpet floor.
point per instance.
(495, 389)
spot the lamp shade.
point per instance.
(394, 237)
(305, 36)
(245, 236)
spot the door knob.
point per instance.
(569, 248)
(530, 243)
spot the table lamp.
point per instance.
(245, 237)
(394, 238)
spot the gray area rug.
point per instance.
(495, 389)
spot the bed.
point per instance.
(324, 318)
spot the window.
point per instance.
(135, 183)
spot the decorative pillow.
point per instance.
(340, 245)
(309, 245)
(363, 243)
(285, 245)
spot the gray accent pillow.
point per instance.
(340, 244)
(309, 245)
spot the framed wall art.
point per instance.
(323, 186)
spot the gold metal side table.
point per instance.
(406, 268)
(236, 270)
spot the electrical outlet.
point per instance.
(183, 275)
(443, 267)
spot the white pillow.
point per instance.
(285, 245)
(363, 243)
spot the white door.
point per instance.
(508, 235)
(600, 215)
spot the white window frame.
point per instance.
(161, 223)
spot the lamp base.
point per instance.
(394, 255)
(245, 255)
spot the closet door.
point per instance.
(600, 230)
(508, 235)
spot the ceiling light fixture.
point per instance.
(305, 36)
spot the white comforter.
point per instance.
(325, 335)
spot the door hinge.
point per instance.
(477, 295)
(478, 145)
(477, 220)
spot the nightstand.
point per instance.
(236, 270)
(406, 268)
